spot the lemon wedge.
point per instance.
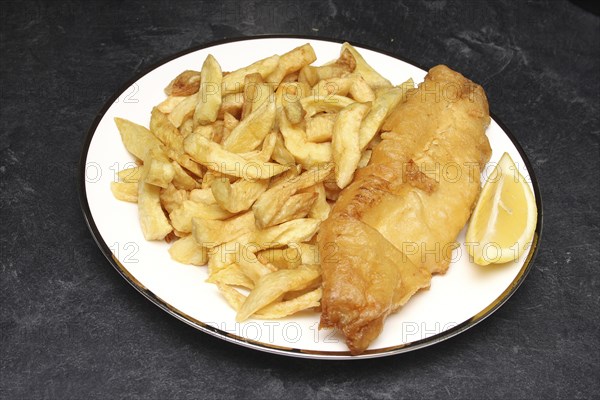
(505, 217)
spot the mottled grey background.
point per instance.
(71, 328)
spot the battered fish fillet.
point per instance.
(396, 224)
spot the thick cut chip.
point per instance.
(282, 309)
(382, 107)
(365, 157)
(297, 206)
(183, 110)
(125, 191)
(130, 175)
(181, 217)
(233, 82)
(319, 128)
(343, 65)
(288, 176)
(306, 153)
(311, 74)
(251, 266)
(264, 93)
(244, 247)
(184, 84)
(207, 131)
(266, 152)
(373, 78)
(154, 223)
(186, 251)
(360, 90)
(231, 275)
(137, 139)
(204, 196)
(309, 253)
(186, 128)
(227, 253)
(293, 77)
(219, 131)
(229, 121)
(288, 257)
(209, 96)
(270, 202)
(234, 298)
(216, 158)
(292, 61)
(352, 85)
(280, 153)
(296, 293)
(346, 58)
(256, 93)
(294, 231)
(238, 196)
(168, 104)
(231, 103)
(291, 256)
(320, 209)
(214, 131)
(334, 70)
(162, 127)
(252, 92)
(332, 191)
(345, 142)
(250, 133)
(210, 233)
(181, 179)
(291, 92)
(288, 97)
(308, 75)
(274, 285)
(165, 131)
(186, 162)
(209, 178)
(339, 86)
(158, 169)
(274, 310)
(329, 103)
(172, 198)
(293, 111)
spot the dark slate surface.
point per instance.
(72, 328)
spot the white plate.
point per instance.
(455, 302)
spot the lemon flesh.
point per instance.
(504, 219)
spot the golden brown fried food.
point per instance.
(365, 278)
(396, 223)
